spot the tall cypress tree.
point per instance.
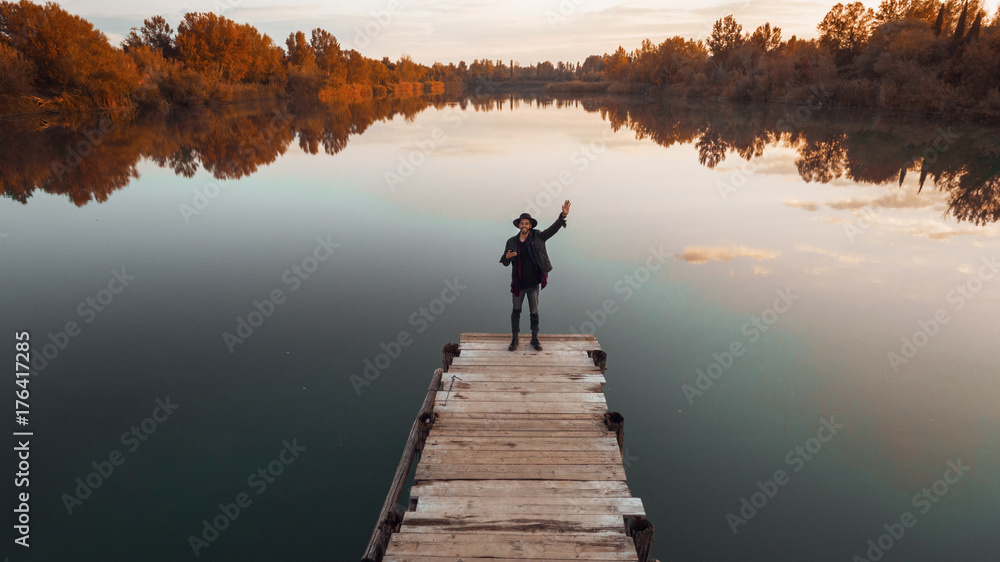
(960, 26)
(939, 22)
(974, 30)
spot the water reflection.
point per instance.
(89, 161)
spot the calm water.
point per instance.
(849, 261)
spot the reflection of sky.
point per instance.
(723, 262)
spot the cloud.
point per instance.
(907, 199)
(807, 205)
(703, 254)
(843, 258)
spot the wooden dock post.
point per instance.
(450, 351)
(390, 517)
(520, 459)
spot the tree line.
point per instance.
(924, 55)
(54, 61)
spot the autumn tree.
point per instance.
(616, 66)
(646, 66)
(939, 22)
(960, 25)
(300, 51)
(845, 30)
(765, 38)
(408, 71)
(68, 54)
(208, 43)
(154, 33)
(329, 57)
(357, 68)
(727, 36)
(266, 58)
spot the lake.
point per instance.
(798, 306)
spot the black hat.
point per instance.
(517, 221)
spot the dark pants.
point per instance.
(515, 315)
(532, 295)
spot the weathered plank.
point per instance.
(525, 396)
(515, 360)
(533, 504)
(566, 351)
(427, 471)
(523, 407)
(514, 488)
(485, 523)
(467, 336)
(524, 444)
(516, 546)
(589, 458)
(525, 386)
(510, 375)
(523, 342)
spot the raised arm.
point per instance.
(560, 222)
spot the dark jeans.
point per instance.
(532, 294)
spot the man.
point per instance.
(530, 272)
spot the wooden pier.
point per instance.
(519, 459)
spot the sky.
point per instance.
(526, 31)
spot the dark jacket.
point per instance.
(536, 239)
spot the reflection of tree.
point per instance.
(865, 147)
(711, 148)
(821, 160)
(86, 162)
(235, 141)
(974, 195)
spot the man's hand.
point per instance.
(565, 208)
(510, 254)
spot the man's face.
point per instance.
(525, 226)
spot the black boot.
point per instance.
(515, 327)
(534, 333)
